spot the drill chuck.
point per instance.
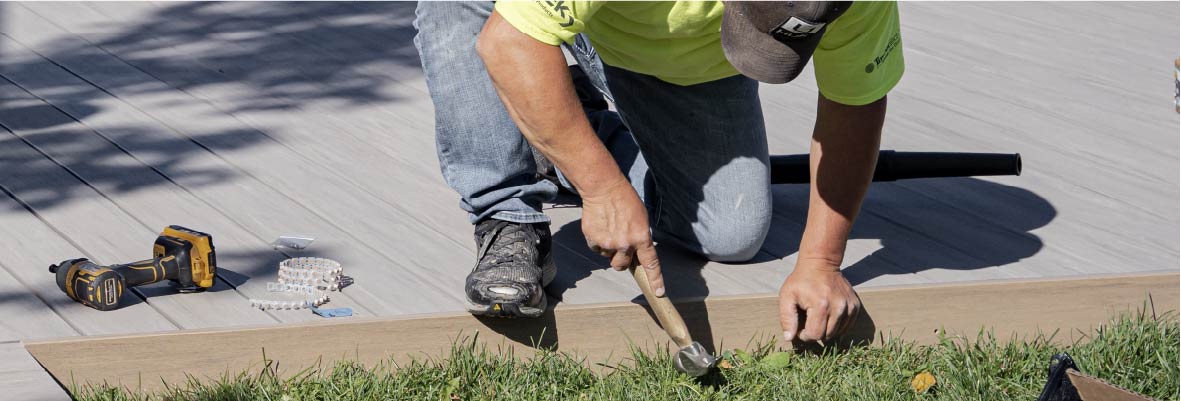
(98, 287)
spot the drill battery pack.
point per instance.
(198, 274)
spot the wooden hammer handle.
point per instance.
(664, 310)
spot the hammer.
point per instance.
(692, 358)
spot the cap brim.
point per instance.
(758, 55)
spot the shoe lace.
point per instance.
(508, 242)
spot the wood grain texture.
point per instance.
(368, 135)
(111, 171)
(313, 191)
(211, 107)
(602, 333)
(1088, 202)
(21, 378)
(1054, 221)
(30, 247)
(24, 315)
(109, 235)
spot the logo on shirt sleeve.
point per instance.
(562, 12)
(877, 61)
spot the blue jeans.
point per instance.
(697, 155)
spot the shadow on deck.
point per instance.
(286, 55)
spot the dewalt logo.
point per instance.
(110, 291)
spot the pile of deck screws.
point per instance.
(311, 277)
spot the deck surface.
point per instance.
(251, 121)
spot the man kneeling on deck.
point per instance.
(690, 166)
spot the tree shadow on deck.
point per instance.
(285, 54)
(268, 56)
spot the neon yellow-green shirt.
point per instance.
(858, 60)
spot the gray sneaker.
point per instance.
(513, 265)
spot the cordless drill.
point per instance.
(181, 255)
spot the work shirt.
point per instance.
(857, 62)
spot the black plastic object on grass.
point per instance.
(1067, 383)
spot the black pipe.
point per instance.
(793, 169)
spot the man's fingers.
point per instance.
(789, 319)
(651, 264)
(854, 314)
(815, 325)
(606, 253)
(851, 312)
(836, 319)
(621, 261)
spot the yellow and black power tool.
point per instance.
(181, 255)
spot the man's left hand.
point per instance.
(819, 295)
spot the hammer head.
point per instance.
(694, 360)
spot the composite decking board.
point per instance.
(952, 192)
(425, 162)
(1138, 59)
(111, 171)
(911, 119)
(411, 156)
(1075, 230)
(30, 246)
(22, 378)
(23, 315)
(31, 385)
(410, 146)
(906, 241)
(1034, 127)
(257, 207)
(685, 275)
(337, 237)
(935, 248)
(928, 62)
(1075, 208)
(1043, 168)
(300, 175)
(1111, 49)
(728, 269)
(1012, 310)
(413, 77)
(410, 98)
(881, 246)
(1105, 183)
(357, 38)
(1074, 100)
(562, 257)
(367, 155)
(107, 234)
(1080, 218)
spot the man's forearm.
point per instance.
(534, 84)
(844, 151)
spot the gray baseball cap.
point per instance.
(771, 41)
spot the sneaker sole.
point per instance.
(515, 310)
(508, 310)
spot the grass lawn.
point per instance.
(1138, 351)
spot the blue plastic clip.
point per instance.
(333, 312)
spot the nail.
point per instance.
(659, 292)
(787, 335)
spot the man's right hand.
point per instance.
(534, 84)
(615, 223)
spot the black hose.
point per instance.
(892, 165)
